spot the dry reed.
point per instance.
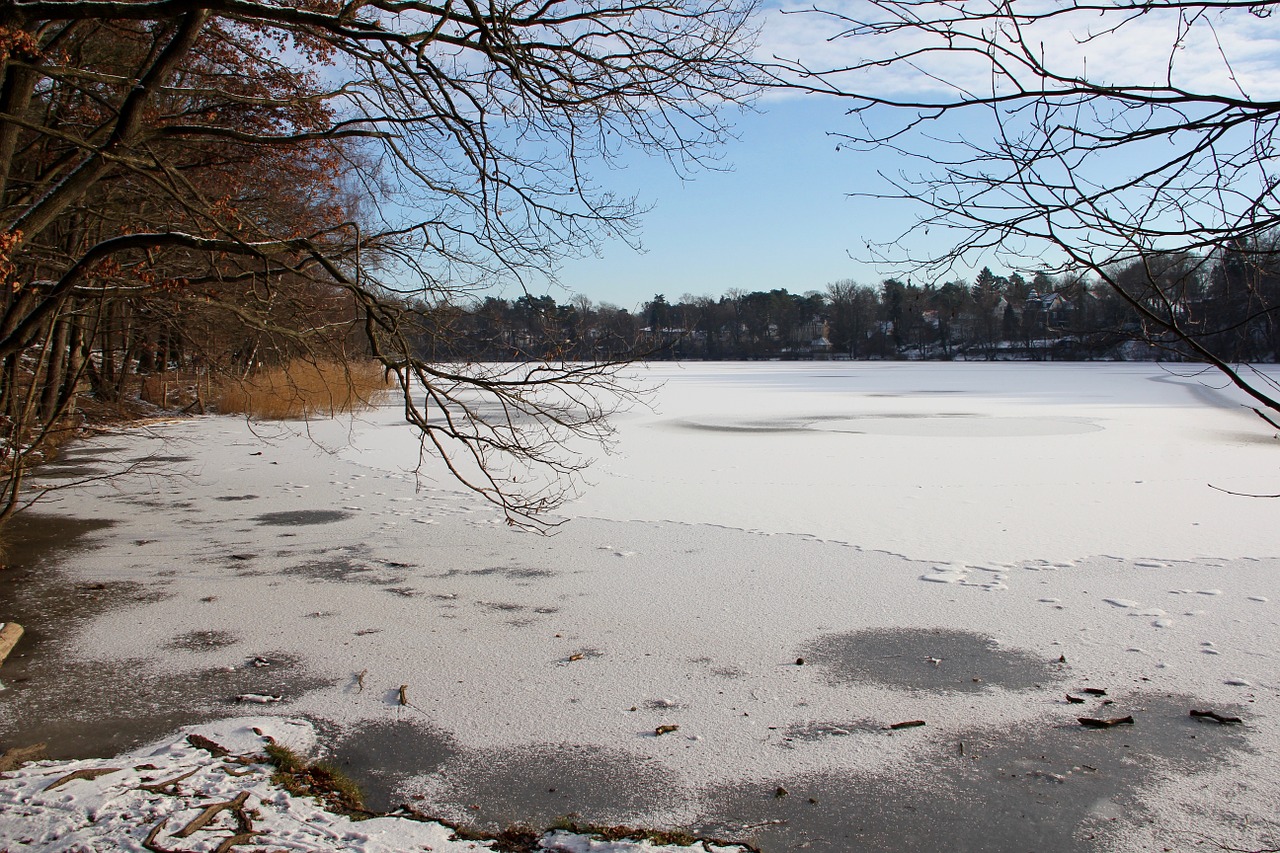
(302, 389)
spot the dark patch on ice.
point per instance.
(720, 670)
(664, 705)
(52, 608)
(236, 498)
(515, 573)
(38, 596)
(535, 784)
(403, 591)
(926, 659)
(91, 451)
(501, 606)
(526, 573)
(166, 460)
(342, 569)
(202, 641)
(530, 574)
(59, 471)
(382, 755)
(905, 424)
(301, 517)
(97, 708)
(107, 595)
(94, 708)
(813, 732)
(1042, 786)
(1240, 437)
(480, 573)
(35, 539)
(742, 426)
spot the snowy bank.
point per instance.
(209, 788)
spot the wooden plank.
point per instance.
(9, 636)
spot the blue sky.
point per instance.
(783, 216)
(780, 218)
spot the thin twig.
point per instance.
(1239, 494)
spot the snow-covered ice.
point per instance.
(782, 560)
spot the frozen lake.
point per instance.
(781, 560)
(937, 461)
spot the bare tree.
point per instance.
(853, 316)
(245, 161)
(1091, 136)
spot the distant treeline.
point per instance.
(1226, 303)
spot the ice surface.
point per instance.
(936, 472)
(758, 512)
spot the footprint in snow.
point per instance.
(954, 573)
(958, 574)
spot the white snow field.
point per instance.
(780, 564)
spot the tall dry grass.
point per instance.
(302, 389)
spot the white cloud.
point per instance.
(1228, 51)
